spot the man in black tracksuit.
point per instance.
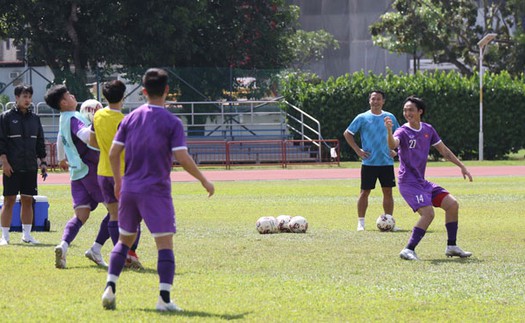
(21, 143)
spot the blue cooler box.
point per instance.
(40, 214)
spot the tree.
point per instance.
(447, 31)
(308, 46)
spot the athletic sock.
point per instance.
(117, 259)
(5, 233)
(166, 266)
(71, 230)
(103, 232)
(26, 230)
(113, 231)
(415, 238)
(452, 232)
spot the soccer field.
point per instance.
(227, 271)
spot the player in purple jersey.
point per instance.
(82, 161)
(413, 141)
(152, 137)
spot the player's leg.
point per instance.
(128, 218)
(11, 189)
(368, 183)
(82, 204)
(95, 252)
(132, 261)
(419, 198)
(166, 271)
(28, 189)
(107, 189)
(388, 181)
(451, 207)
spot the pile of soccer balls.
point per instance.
(283, 223)
(386, 222)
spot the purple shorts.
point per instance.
(418, 195)
(107, 187)
(86, 192)
(156, 211)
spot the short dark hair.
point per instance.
(419, 103)
(23, 88)
(155, 81)
(54, 95)
(114, 91)
(377, 91)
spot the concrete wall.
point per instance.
(348, 21)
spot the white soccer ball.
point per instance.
(298, 224)
(266, 224)
(385, 222)
(89, 107)
(283, 223)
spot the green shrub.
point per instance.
(452, 106)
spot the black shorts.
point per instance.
(21, 182)
(370, 175)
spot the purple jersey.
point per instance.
(149, 134)
(413, 150)
(88, 155)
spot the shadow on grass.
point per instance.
(469, 260)
(199, 314)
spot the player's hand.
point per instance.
(63, 164)
(210, 188)
(117, 187)
(43, 170)
(466, 174)
(388, 123)
(393, 153)
(363, 154)
(8, 170)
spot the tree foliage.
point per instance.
(448, 32)
(74, 37)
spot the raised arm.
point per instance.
(393, 143)
(449, 155)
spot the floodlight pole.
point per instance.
(482, 43)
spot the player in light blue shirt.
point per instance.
(377, 158)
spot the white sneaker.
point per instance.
(96, 257)
(408, 254)
(109, 299)
(396, 228)
(4, 242)
(30, 240)
(60, 257)
(455, 251)
(360, 227)
(170, 307)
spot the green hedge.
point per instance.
(452, 106)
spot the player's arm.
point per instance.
(351, 141)
(93, 140)
(114, 159)
(449, 155)
(393, 143)
(185, 160)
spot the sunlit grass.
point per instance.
(228, 271)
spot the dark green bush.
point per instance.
(452, 106)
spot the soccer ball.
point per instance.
(266, 224)
(283, 223)
(385, 222)
(88, 109)
(298, 224)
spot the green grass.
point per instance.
(227, 271)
